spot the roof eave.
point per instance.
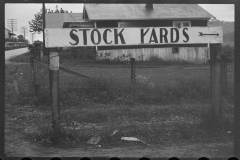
(130, 19)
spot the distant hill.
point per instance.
(228, 30)
(228, 26)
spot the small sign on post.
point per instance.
(80, 37)
(54, 61)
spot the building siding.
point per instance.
(7, 33)
(186, 54)
(147, 23)
(199, 23)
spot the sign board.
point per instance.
(76, 37)
(54, 61)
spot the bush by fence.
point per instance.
(79, 53)
(228, 53)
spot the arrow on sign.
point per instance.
(201, 34)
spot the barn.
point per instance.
(8, 33)
(149, 15)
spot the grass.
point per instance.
(164, 106)
(24, 58)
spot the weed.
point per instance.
(152, 112)
(105, 89)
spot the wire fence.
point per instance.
(109, 83)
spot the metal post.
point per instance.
(133, 70)
(215, 72)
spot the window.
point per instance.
(177, 24)
(186, 24)
(181, 24)
(175, 50)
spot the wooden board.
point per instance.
(76, 37)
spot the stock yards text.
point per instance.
(115, 36)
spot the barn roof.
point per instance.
(139, 12)
(9, 32)
(56, 20)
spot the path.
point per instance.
(15, 52)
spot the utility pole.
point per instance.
(24, 31)
(32, 37)
(12, 23)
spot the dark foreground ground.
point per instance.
(167, 107)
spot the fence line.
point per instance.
(65, 70)
(151, 83)
(119, 66)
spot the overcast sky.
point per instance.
(25, 12)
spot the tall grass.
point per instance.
(105, 90)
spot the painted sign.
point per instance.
(54, 61)
(76, 37)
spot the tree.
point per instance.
(34, 26)
(36, 23)
(227, 52)
(20, 37)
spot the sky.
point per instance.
(25, 12)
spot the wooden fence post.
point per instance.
(54, 83)
(215, 72)
(133, 70)
(223, 73)
(35, 67)
(32, 70)
(237, 82)
(237, 104)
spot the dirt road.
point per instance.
(12, 53)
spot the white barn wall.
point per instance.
(187, 54)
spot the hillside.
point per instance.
(228, 26)
(228, 38)
(228, 31)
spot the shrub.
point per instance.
(155, 59)
(79, 53)
(227, 52)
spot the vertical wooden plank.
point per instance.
(2, 91)
(215, 69)
(32, 70)
(237, 82)
(54, 81)
(237, 105)
(37, 70)
(44, 25)
(133, 69)
(223, 73)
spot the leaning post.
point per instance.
(32, 70)
(215, 72)
(133, 70)
(54, 84)
(237, 82)
(223, 72)
(37, 70)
